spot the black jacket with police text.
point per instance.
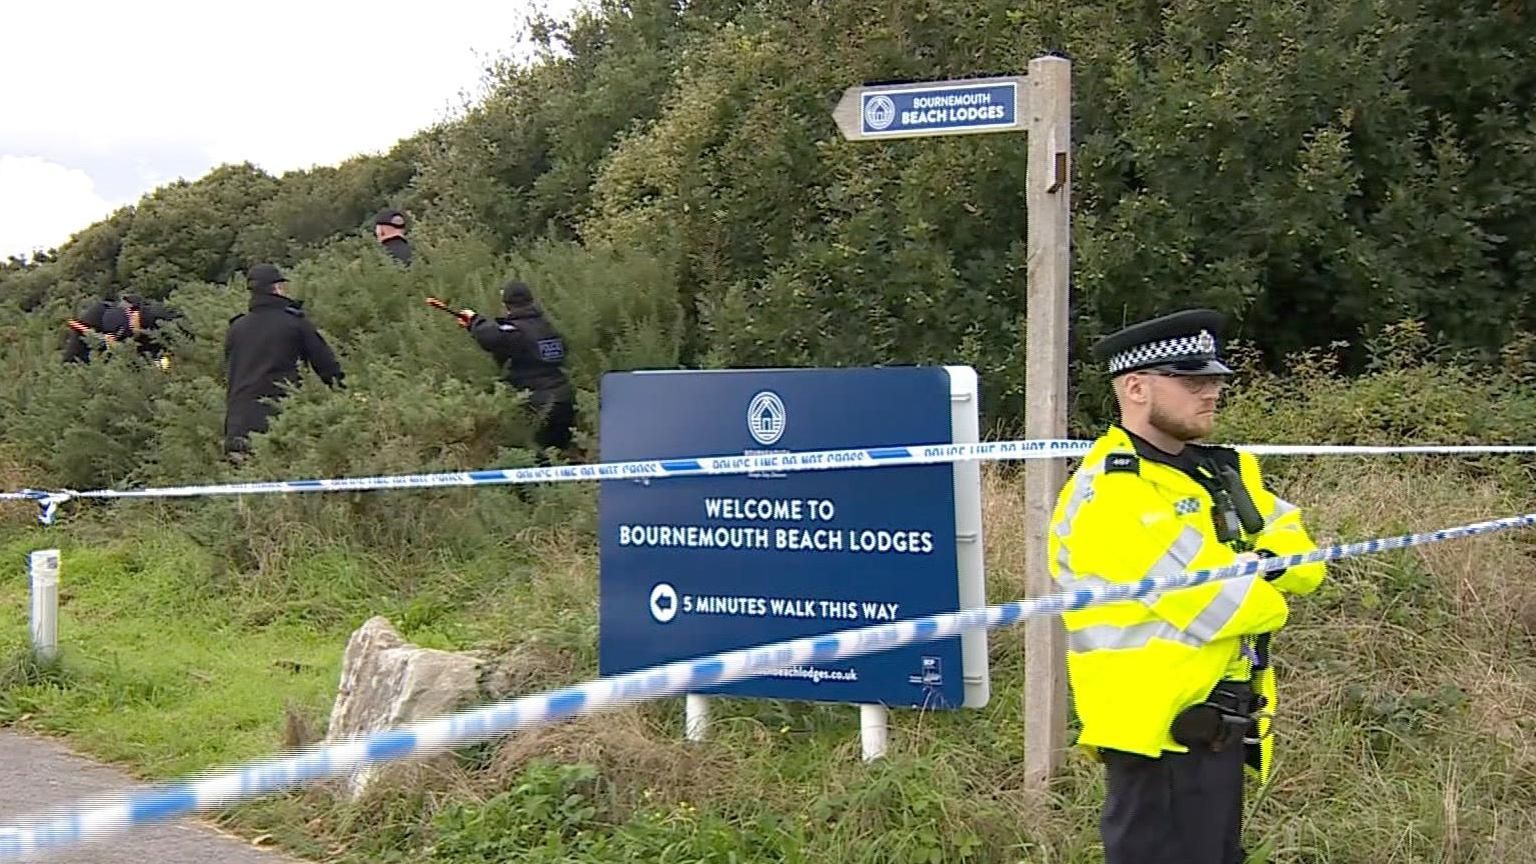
(529, 350)
(262, 351)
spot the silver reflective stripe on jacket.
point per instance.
(1176, 560)
(1108, 637)
(1282, 508)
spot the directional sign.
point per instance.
(956, 107)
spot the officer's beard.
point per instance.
(1185, 427)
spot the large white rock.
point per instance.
(385, 682)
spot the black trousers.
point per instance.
(554, 424)
(1183, 808)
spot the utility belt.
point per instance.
(1229, 714)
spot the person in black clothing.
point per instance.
(86, 332)
(389, 228)
(140, 320)
(118, 319)
(531, 353)
(262, 350)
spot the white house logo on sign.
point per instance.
(766, 418)
(879, 111)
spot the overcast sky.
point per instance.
(101, 102)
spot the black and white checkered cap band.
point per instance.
(1183, 348)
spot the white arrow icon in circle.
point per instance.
(663, 602)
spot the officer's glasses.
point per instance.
(1198, 384)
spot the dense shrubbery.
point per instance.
(1318, 169)
(419, 393)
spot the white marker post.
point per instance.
(1040, 105)
(43, 565)
(696, 721)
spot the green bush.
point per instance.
(1318, 170)
(420, 395)
(1412, 394)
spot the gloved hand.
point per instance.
(1246, 557)
(1270, 575)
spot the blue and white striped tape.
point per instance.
(811, 460)
(99, 819)
(47, 502)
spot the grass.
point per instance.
(1407, 687)
(155, 676)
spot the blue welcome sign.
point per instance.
(699, 565)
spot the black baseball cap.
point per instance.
(390, 217)
(515, 293)
(263, 276)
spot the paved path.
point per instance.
(37, 775)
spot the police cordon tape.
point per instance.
(92, 820)
(808, 460)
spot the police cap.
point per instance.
(390, 217)
(263, 276)
(1184, 343)
(516, 293)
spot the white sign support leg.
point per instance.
(874, 730)
(696, 718)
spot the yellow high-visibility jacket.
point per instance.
(1134, 665)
